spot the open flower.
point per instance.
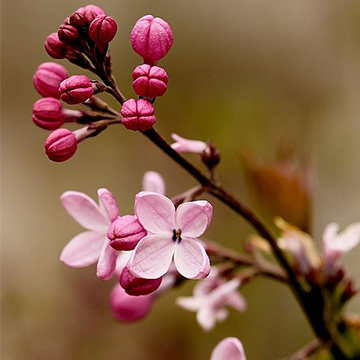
(171, 233)
(336, 244)
(91, 246)
(210, 298)
(229, 348)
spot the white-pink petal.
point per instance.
(83, 250)
(183, 145)
(193, 218)
(107, 262)
(84, 210)
(154, 182)
(206, 318)
(229, 348)
(342, 242)
(108, 201)
(152, 257)
(155, 212)
(191, 260)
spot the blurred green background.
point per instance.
(245, 74)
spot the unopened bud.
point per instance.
(136, 286)
(85, 15)
(102, 30)
(55, 47)
(149, 81)
(60, 145)
(67, 33)
(127, 308)
(47, 79)
(125, 232)
(211, 156)
(151, 38)
(138, 115)
(76, 89)
(47, 113)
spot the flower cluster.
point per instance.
(83, 39)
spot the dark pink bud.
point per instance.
(47, 113)
(60, 145)
(54, 47)
(67, 33)
(149, 81)
(127, 308)
(47, 79)
(85, 15)
(76, 89)
(151, 38)
(102, 30)
(138, 114)
(125, 232)
(136, 286)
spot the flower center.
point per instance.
(177, 235)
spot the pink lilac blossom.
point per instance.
(149, 81)
(336, 244)
(210, 298)
(127, 308)
(102, 30)
(229, 348)
(76, 89)
(55, 47)
(138, 115)
(182, 145)
(151, 38)
(47, 79)
(171, 234)
(91, 246)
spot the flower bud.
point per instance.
(125, 232)
(126, 308)
(60, 145)
(67, 33)
(54, 47)
(47, 113)
(85, 15)
(76, 89)
(47, 79)
(138, 114)
(136, 286)
(151, 38)
(102, 30)
(149, 81)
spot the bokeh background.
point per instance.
(246, 74)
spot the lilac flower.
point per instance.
(210, 298)
(92, 245)
(171, 233)
(229, 348)
(153, 181)
(335, 244)
(182, 145)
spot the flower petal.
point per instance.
(228, 349)
(189, 303)
(83, 249)
(107, 262)
(191, 259)
(84, 210)
(108, 201)
(155, 212)
(182, 145)
(344, 241)
(153, 181)
(152, 257)
(206, 318)
(193, 218)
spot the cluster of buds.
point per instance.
(151, 38)
(84, 39)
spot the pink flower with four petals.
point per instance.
(172, 233)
